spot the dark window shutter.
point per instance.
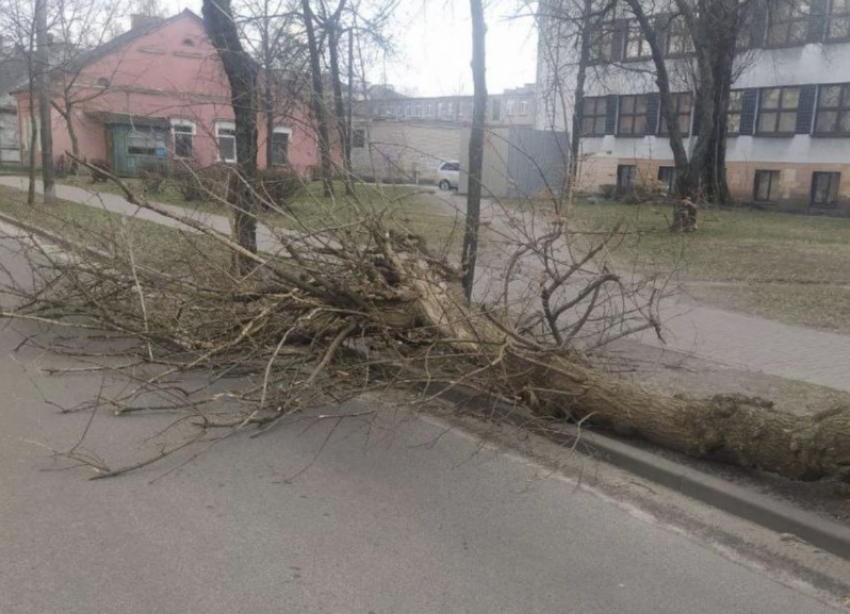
(618, 45)
(653, 104)
(817, 21)
(611, 115)
(748, 111)
(758, 23)
(661, 24)
(806, 109)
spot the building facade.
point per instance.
(394, 150)
(514, 107)
(156, 94)
(789, 115)
(13, 69)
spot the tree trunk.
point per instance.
(476, 147)
(268, 95)
(339, 103)
(242, 76)
(320, 111)
(33, 144)
(44, 106)
(588, 25)
(733, 429)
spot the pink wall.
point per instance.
(172, 72)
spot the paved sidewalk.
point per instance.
(727, 337)
(117, 204)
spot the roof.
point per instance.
(13, 71)
(124, 39)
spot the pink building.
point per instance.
(158, 92)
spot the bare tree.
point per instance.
(81, 26)
(714, 29)
(476, 146)
(319, 104)
(242, 75)
(44, 107)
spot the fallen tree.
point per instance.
(332, 306)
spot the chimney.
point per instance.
(140, 22)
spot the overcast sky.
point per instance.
(435, 47)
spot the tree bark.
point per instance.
(44, 106)
(733, 429)
(320, 111)
(339, 104)
(588, 25)
(242, 76)
(476, 147)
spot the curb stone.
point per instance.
(726, 496)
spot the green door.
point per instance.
(135, 148)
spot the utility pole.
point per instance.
(42, 59)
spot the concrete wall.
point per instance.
(519, 162)
(404, 151)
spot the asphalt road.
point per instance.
(394, 517)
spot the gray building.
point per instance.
(513, 107)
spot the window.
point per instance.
(766, 187)
(358, 139)
(633, 115)
(626, 178)
(778, 110)
(736, 110)
(637, 47)
(682, 105)
(523, 107)
(679, 41)
(184, 138)
(838, 28)
(449, 109)
(497, 109)
(450, 166)
(833, 116)
(225, 133)
(417, 111)
(145, 141)
(594, 113)
(280, 145)
(789, 22)
(602, 45)
(399, 111)
(825, 189)
(188, 42)
(510, 107)
(667, 177)
(103, 82)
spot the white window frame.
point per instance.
(225, 125)
(510, 107)
(288, 132)
(523, 107)
(183, 123)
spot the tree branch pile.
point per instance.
(325, 315)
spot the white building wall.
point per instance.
(797, 157)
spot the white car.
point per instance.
(448, 175)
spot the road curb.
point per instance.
(721, 494)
